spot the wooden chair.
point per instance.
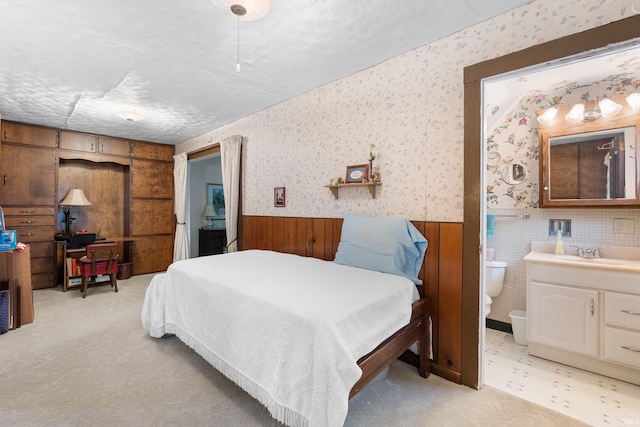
(101, 258)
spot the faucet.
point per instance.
(588, 253)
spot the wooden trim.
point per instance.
(596, 38)
(205, 151)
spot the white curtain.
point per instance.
(181, 244)
(230, 151)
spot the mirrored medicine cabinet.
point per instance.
(590, 164)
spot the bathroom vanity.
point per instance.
(585, 311)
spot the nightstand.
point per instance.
(211, 242)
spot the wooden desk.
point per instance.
(66, 254)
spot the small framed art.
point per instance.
(356, 173)
(279, 197)
(215, 198)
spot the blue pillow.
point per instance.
(388, 245)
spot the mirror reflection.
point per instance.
(593, 165)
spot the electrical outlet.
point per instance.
(624, 226)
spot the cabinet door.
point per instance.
(163, 185)
(163, 216)
(152, 254)
(114, 146)
(564, 317)
(26, 134)
(153, 151)
(151, 216)
(28, 175)
(143, 177)
(78, 141)
(142, 217)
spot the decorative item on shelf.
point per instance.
(330, 181)
(372, 157)
(75, 197)
(355, 173)
(339, 180)
(375, 176)
(279, 197)
(208, 213)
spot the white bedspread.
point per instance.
(287, 329)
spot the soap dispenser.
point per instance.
(559, 244)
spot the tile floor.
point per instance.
(591, 398)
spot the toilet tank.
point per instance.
(494, 277)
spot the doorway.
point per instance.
(550, 53)
(202, 173)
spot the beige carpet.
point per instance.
(90, 363)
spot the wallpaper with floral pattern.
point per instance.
(411, 108)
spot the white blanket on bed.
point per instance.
(287, 329)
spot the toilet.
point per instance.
(494, 279)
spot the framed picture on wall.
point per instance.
(279, 197)
(215, 197)
(356, 173)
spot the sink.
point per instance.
(614, 257)
(605, 261)
(609, 261)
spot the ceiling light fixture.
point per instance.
(131, 114)
(255, 9)
(239, 11)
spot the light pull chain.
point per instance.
(239, 11)
(238, 62)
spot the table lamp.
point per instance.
(75, 197)
(208, 212)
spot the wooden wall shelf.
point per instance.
(370, 185)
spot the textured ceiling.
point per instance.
(78, 64)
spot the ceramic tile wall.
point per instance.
(410, 106)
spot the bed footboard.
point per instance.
(393, 347)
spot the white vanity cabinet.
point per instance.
(585, 313)
(567, 317)
(622, 328)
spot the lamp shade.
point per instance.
(75, 197)
(208, 211)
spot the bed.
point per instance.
(300, 335)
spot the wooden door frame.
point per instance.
(595, 38)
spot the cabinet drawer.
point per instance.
(42, 280)
(622, 310)
(28, 211)
(28, 221)
(41, 265)
(622, 346)
(41, 249)
(35, 234)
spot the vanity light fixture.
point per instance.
(633, 100)
(576, 115)
(591, 110)
(609, 108)
(547, 117)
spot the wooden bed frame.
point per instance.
(397, 345)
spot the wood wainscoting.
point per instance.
(441, 272)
